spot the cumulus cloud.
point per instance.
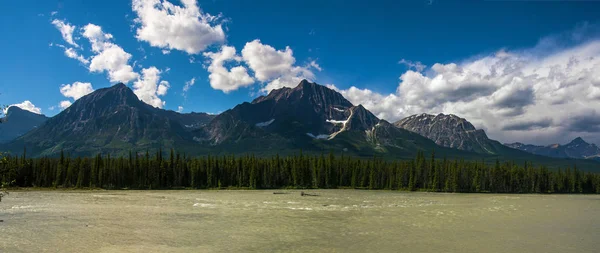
(521, 95)
(224, 79)
(66, 30)
(149, 87)
(180, 109)
(275, 66)
(168, 26)
(26, 105)
(109, 56)
(76, 90)
(64, 104)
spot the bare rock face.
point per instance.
(449, 131)
(577, 148)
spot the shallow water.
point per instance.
(260, 221)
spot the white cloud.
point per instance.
(220, 77)
(169, 26)
(66, 30)
(149, 87)
(97, 37)
(189, 84)
(109, 56)
(64, 104)
(26, 105)
(71, 53)
(315, 65)
(275, 66)
(180, 109)
(532, 95)
(76, 90)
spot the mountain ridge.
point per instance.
(577, 148)
(18, 122)
(308, 118)
(450, 131)
(106, 120)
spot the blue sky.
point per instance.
(354, 46)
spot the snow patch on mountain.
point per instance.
(320, 136)
(266, 123)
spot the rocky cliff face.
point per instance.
(449, 131)
(577, 148)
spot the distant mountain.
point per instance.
(451, 131)
(18, 122)
(111, 120)
(577, 148)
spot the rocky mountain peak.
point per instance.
(449, 130)
(14, 109)
(306, 92)
(361, 119)
(18, 122)
(15, 112)
(577, 141)
(111, 119)
(118, 94)
(306, 84)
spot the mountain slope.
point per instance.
(451, 131)
(18, 122)
(310, 117)
(109, 120)
(577, 148)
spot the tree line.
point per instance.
(175, 170)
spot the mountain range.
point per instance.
(308, 118)
(577, 148)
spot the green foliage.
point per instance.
(143, 171)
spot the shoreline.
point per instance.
(274, 190)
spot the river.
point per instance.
(260, 221)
